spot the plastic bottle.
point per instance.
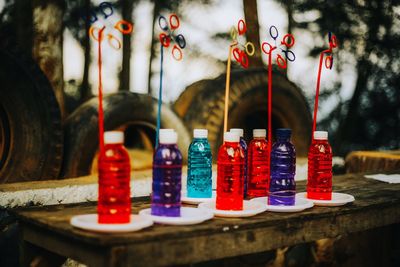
(167, 176)
(258, 165)
(243, 145)
(230, 170)
(319, 182)
(199, 180)
(282, 187)
(114, 202)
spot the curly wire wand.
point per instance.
(100, 92)
(328, 65)
(321, 59)
(227, 87)
(160, 96)
(269, 104)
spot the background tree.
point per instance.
(75, 21)
(253, 31)
(35, 28)
(127, 7)
(368, 34)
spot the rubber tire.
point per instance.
(248, 96)
(31, 122)
(81, 127)
(185, 99)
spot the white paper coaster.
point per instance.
(300, 205)
(188, 216)
(196, 200)
(338, 199)
(89, 222)
(249, 209)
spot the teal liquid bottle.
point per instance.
(199, 179)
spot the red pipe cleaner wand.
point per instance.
(328, 65)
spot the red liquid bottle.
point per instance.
(319, 183)
(114, 203)
(230, 170)
(258, 167)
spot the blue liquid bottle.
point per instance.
(282, 188)
(199, 180)
(243, 145)
(167, 176)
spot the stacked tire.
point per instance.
(201, 105)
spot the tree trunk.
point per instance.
(156, 13)
(24, 28)
(48, 43)
(85, 90)
(253, 31)
(289, 10)
(124, 76)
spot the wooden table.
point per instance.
(48, 229)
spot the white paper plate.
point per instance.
(249, 209)
(338, 199)
(188, 216)
(196, 200)
(300, 205)
(89, 222)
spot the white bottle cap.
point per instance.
(237, 131)
(200, 133)
(168, 136)
(167, 130)
(113, 137)
(259, 133)
(231, 137)
(321, 135)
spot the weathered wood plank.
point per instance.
(90, 255)
(377, 204)
(373, 161)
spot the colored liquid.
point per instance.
(243, 144)
(230, 173)
(258, 168)
(199, 182)
(167, 176)
(282, 188)
(319, 182)
(114, 202)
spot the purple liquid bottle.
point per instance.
(243, 145)
(282, 188)
(167, 176)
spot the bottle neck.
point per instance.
(166, 145)
(231, 143)
(283, 139)
(320, 140)
(114, 144)
(200, 138)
